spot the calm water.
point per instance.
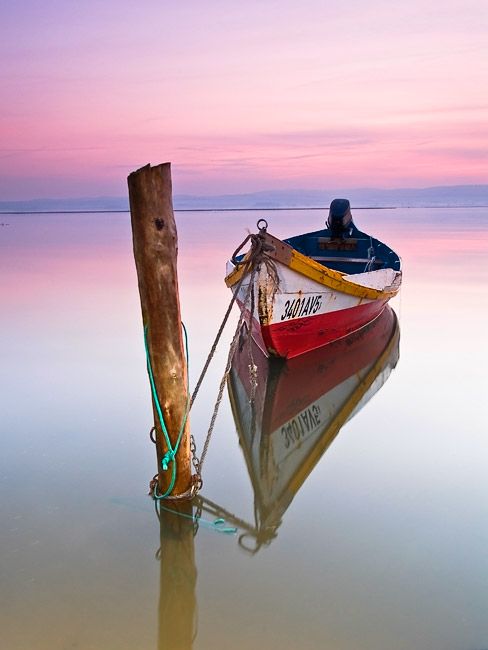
(379, 544)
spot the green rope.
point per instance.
(169, 457)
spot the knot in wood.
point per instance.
(159, 223)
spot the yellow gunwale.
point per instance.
(323, 275)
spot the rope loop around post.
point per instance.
(169, 456)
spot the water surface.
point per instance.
(382, 546)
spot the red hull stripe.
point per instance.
(310, 376)
(300, 335)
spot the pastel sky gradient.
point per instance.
(242, 96)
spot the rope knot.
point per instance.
(167, 458)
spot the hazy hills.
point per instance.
(452, 196)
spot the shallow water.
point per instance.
(380, 543)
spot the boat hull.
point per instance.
(294, 305)
(291, 338)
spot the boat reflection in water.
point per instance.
(288, 413)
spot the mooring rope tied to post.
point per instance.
(252, 260)
(169, 456)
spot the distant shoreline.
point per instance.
(383, 207)
(183, 210)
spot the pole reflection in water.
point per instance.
(178, 576)
(288, 413)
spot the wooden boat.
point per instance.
(314, 288)
(290, 419)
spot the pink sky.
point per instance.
(242, 96)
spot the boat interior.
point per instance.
(351, 252)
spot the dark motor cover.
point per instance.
(340, 217)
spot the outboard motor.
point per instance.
(340, 218)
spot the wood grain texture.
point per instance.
(155, 245)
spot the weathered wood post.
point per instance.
(178, 577)
(155, 250)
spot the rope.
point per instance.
(371, 257)
(169, 456)
(232, 349)
(216, 342)
(253, 380)
(258, 253)
(258, 248)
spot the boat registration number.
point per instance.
(301, 426)
(302, 307)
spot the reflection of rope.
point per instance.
(218, 525)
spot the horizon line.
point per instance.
(382, 207)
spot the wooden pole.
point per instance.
(155, 250)
(178, 577)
